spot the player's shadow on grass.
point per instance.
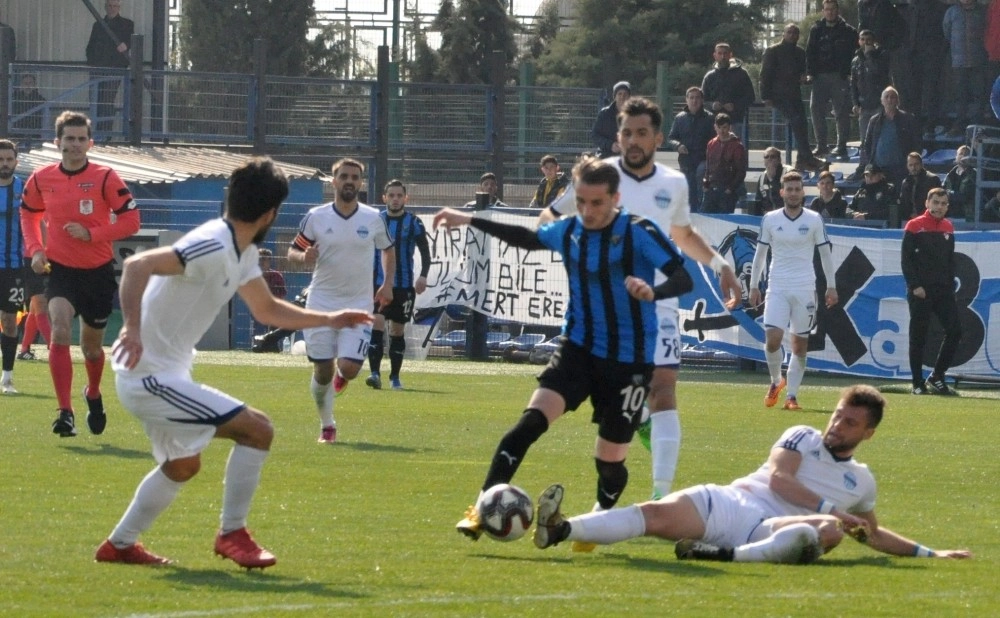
(254, 581)
(371, 447)
(674, 567)
(106, 450)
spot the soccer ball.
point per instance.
(505, 512)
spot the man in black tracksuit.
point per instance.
(928, 262)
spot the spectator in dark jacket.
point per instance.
(725, 169)
(913, 192)
(728, 88)
(892, 134)
(552, 185)
(875, 198)
(830, 202)
(869, 77)
(960, 183)
(884, 19)
(782, 73)
(105, 51)
(604, 134)
(928, 51)
(831, 47)
(768, 196)
(11, 49)
(689, 136)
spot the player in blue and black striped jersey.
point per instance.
(11, 261)
(607, 349)
(408, 234)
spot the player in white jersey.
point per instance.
(797, 506)
(792, 234)
(660, 194)
(169, 297)
(338, 239)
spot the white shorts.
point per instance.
(326, 343)
(668, 336)
(795, 308)
(731, 516)
(178, 414)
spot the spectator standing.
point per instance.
(964, 28)
(916, 185)
(105, 52)
(689, 135)
(830, 202)
(831, 48)
(727, 87)
(10, 51)
(552, 184)
(875, 198)
(884, 19)
(928, 262)
(85, 208)
(725, 169)
(782, 74)
(892, 134)
(869, 77)
(960, 184)
(604, 134)
(769, 182)
(927, 50)
(488, 185)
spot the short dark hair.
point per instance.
(638, 106)
(6, 144)
(255, 188)
(549, 159)
(915, 155)
(791, 176)
(395, 182)
(487, 176)
(70, 118)
(937, 192)
(348, 162)
(865, 396)
(594, 171)
(827, 174)
(867, 32)
(722, 118)
(694, 89)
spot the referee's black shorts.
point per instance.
(91, 291)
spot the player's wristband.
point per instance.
(718, 263)
(923, 552)
(825, 507)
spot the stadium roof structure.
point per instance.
(160, 164)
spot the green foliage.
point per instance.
(332, 53)
(546, 29)
(624, 40)
(470, 33)
(218, 35)
(365, 527)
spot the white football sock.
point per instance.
(774, 364)
(665, 443)
(153, 495)
(323, 396)
(796, 371)
(605, 527)
(241, 480)
(785, 545)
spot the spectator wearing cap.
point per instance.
(875, 198)
(605, 131)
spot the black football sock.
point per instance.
(397, 348)
(375, 351)
(514, 445)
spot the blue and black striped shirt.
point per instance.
(407, 233)
(11, 240)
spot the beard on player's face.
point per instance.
(347, 193)
(636, 158)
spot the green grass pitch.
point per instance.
(366, 527)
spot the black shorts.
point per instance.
(12, 289)
(91, 291)
(400, 310)
(617, 390)
(34, 284)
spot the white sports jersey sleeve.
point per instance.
(846, 483)
(178, 310)
(792, 243)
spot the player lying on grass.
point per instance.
(170, 297)
(795, 507)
